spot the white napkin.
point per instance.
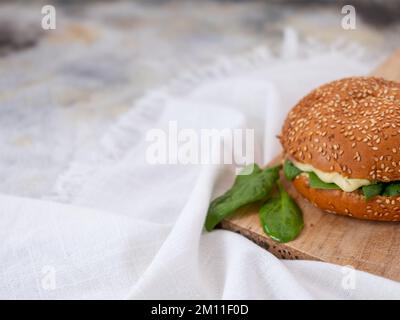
(130, 229)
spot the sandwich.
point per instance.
(342, 148)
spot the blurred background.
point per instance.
(61, 89)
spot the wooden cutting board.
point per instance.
(365, 245)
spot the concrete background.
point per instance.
(61, 89)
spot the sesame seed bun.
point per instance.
(351, 204)
(349, 126)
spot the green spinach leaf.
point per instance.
(290, 170)
(317, 183)
(392, 189)
(246, 189)
(372, 190)
(281, 218)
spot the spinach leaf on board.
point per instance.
(372, 190)
(317, 183)
(246, 189)
(392, 189)
(290, 170)
(281, 218)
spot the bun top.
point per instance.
(349, 126)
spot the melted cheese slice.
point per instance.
(346, 184)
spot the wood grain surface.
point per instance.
(366, 245)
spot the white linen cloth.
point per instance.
(128, 229)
